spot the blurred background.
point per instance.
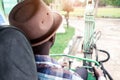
(107, 20)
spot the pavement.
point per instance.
(109, 41)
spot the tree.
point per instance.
(96, 6)
(110, 2)
(102, 3)
(2, 9)
(67, 6)
(114, 2)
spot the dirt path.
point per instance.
(110, 41)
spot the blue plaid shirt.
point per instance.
(49, 69)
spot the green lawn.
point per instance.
(109, 12)
(62, 40)
(102, 12)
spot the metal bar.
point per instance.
(75, 57)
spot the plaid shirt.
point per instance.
(49, 69)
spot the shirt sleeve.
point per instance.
(49, 69)
(76, 77)
(101, 78)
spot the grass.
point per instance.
(102, 12)
(62, 40)
(109, 12)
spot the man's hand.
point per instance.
(99, 74)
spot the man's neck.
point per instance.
(42, 49)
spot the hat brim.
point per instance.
(56, 23)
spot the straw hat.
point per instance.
(37, 21)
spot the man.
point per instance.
(40, 24)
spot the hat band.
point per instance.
(34, 41)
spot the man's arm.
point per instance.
(99, 74)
